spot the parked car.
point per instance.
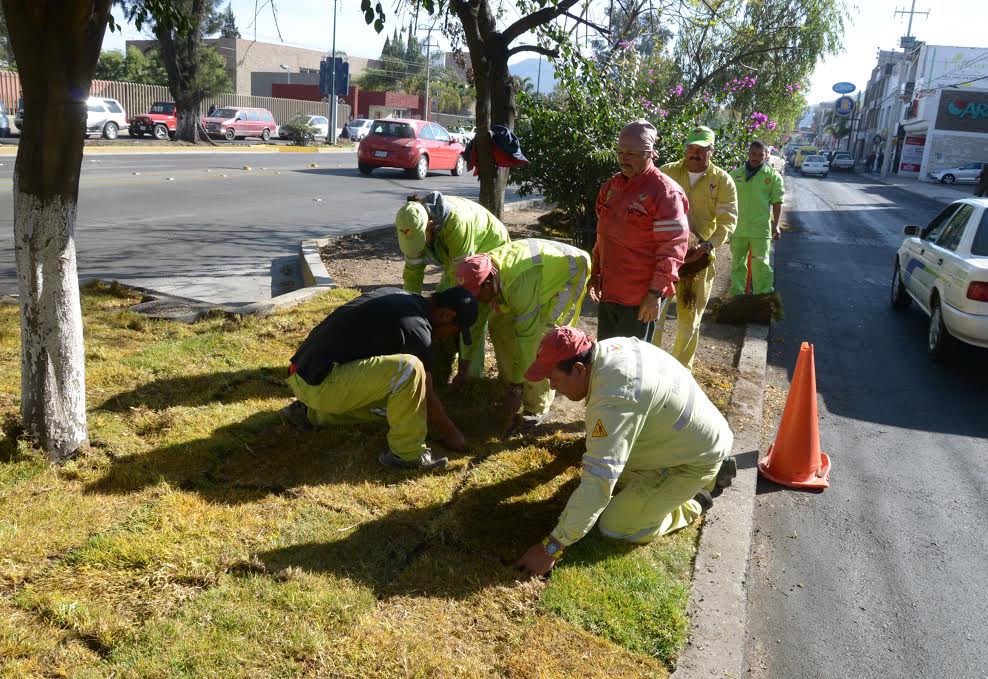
(4, 120)
(944, 269)
(321, 123)
(777, 163)
(105, 116)
(814, 165)
(160, 121)
(842, 160)
(232, 122)
(415, 146)
(965, 174)
(463, 135)
(358, 129)
(19, 114)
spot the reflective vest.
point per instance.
(713, 201)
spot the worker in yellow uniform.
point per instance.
(713, 215)
(526, 287)
(444, 230)
(652, 435)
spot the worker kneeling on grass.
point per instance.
(374, 355)
(652, 434)
(445, 230)
(528, 287)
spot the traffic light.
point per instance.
(342, 77)
(324, 76)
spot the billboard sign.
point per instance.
(963, 111)
(844, 88)
(912, 155)
(844, 106)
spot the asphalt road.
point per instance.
(883, 574)
(199, 226)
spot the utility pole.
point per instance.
(538, 78)
(332, 86)
(911, 12)
(428, 69)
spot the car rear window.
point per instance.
(167, 109)
(225, 113)
(815, 159)
(980, 245)
(383, 128)
(360, 122)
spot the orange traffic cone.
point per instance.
(795, 459)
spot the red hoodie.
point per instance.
(642, 236)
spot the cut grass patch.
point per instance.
(199, 536)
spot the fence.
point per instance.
(137, 98)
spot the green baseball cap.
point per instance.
(411, 221)
(701, 136)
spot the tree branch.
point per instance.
(535, 19)
(581, 20)
(533, 48)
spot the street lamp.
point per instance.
(285, 67)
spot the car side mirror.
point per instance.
(911, 230)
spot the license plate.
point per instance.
(380, 154)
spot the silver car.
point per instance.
(965, 174)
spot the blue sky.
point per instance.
(874, 26)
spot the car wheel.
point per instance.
(265, 135)
(940, 341)
(110, 130)
(421, 170)
(948, 179)
(461, 166)
(160, 132)
(364, 169)
(230, 134)
(900, 298)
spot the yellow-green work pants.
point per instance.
(537, 397)
(762, 276)
(651, 504)
(688, 319)
(395, 382)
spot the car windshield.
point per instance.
(358, 123)
(224, 113)
(384, 128)
(163, 108)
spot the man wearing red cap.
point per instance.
(652, 435)
(642, 235)
(530, 286)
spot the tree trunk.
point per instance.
(180, 54)
(56, 46)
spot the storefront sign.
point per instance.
(963, 111)
(844, 88)
(912, 155)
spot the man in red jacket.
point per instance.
(642, 236)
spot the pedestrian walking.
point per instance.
(641, 239)
(655, 444)
(525, 288)
(760, 192)
(712, 217)
(212, 110)
(981, 185)
(870, 161)
(445, 230)
(879, 161)
(375, 354)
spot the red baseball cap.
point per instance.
(558, 345)
(473, 271)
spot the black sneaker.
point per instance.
(425, 462)
(705, 500)
(728, 470)
(297, 415)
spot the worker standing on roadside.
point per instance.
(445, 230)
(652, 435)
(527, 287)
(712, 217)
(641, 239)
(760, 192)
(376, 352)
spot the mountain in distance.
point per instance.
(529, 68)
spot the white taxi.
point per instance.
(943, 267)
(817, 165)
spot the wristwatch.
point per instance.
(552, 548)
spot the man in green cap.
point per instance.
(445, 230)
(760, 193)
(713, 215)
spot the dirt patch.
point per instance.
(370, 260)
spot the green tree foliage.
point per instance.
(6, 53)
(228, 23)
(135, 67)
(401, 60)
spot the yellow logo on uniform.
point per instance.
(598, 431)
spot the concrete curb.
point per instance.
(718, 600)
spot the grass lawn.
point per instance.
(201, 537)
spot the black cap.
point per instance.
(464, 304)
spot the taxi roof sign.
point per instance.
(844, 88)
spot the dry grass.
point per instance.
(198, 536)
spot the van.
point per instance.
(232, 122)
(105, 116)
(804, 152)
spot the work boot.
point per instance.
(705, 501)
(728, 470)
(425, 461)
(297, 415)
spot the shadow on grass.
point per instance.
(196, 390)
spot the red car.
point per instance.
(160, 121)
(415, 146)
